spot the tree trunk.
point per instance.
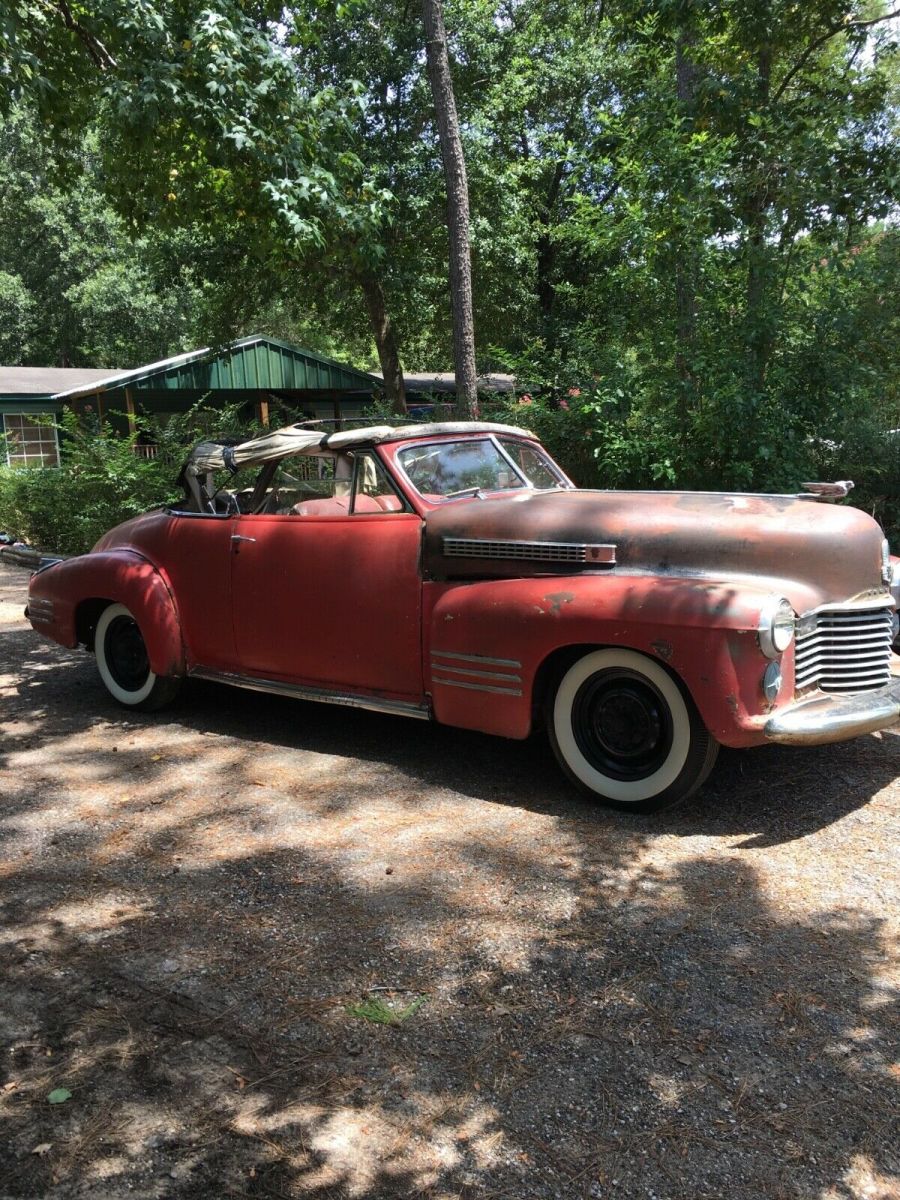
(385, 341)
(685, 257)
(759, 315)
(546, 256)
(457, 208)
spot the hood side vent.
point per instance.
(564, 552)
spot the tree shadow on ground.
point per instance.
(187, 915)
(763, 797)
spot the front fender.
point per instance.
(119, 576)
(487, 642)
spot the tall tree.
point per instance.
(208, 119)
(457, 207)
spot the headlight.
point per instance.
(776, 626)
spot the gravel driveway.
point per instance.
(199, 905)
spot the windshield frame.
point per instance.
(565, 484)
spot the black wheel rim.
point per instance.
(622, 724)
(126, 654)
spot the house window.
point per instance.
(29, 444)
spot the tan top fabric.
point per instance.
(297, 439)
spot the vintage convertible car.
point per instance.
(452, 572)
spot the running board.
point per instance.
(296, 691)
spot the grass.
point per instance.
(380, 1012)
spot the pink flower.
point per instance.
(574, 391)
(565, 404)
(526, 399)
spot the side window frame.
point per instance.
(358, 457)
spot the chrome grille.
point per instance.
(844, 650)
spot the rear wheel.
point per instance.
(624, 729)
(124, 664)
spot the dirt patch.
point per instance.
(696, 1005)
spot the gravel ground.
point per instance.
(702, 1004)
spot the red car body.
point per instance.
(473, 610)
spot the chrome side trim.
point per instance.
(505, 676)
(824, 719)
(41, 611)
(572, 552)
(477, 687)
(296, 691)
(477, 658)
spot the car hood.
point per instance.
(831, 549)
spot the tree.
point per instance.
(77, 289)
(457, 207)
(208, 120)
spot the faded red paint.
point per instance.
(121, 577)
(371, 604)
(710, 630)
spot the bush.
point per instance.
(101, 481)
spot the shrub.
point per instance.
(101, 481)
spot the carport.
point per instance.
(256, 370)
(260, 373)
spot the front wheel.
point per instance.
(124, 664)
(624, 729)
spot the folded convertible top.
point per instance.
(300, 439)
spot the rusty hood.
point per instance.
(835, 550)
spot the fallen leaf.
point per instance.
(9, 1087)
(59, 1096)
(43, 1148)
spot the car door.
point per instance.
(195, 551)
(328, 591)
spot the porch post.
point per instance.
(129, 408)
(262, 409)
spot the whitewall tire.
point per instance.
(124, 665)
(624, 729)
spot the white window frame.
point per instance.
(9, 433)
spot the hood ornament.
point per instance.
(827, 491)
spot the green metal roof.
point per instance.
(251, 364)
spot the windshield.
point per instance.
(444, 470)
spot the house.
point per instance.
(255, 370)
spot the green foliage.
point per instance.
(683, 215)
(75, 288)
(18, 318)
(102, 481)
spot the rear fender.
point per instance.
(65, 597)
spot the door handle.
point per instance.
(239, 537)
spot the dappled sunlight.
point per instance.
(203, 909)
(96, 919)
(358, 1147)
(864, 1181)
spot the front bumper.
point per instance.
(823, 719)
